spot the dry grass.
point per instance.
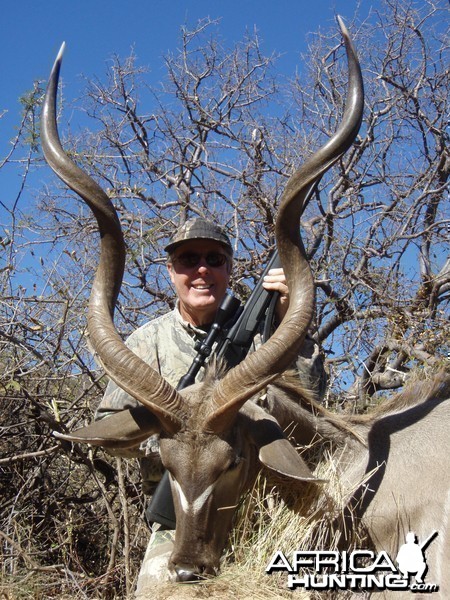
(265, 524)
(271, 518)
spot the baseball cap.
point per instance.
(199, 228)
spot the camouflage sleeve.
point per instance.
(167, 347)
(115, 399)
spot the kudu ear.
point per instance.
(124, 429)
(275, 451)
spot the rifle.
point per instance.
(259, 310)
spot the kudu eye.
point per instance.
(235, 462)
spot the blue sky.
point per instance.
(32, 32)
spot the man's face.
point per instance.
(201, 287)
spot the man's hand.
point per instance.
(275, 281)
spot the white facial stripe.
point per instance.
(198, 503)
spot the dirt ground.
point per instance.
(220, 589)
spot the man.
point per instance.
(199, 265)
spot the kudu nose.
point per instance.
(187, 573)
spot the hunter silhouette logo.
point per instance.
(358, 570)
(411, 557)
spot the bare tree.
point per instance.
(219, 137)
(222, 133)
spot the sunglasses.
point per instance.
(192, 259)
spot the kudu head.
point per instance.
(211, 439)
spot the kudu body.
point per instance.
(392, 467)
(212, 437)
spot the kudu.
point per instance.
(212, 436)
(392, 466)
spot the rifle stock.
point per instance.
(258, 309)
